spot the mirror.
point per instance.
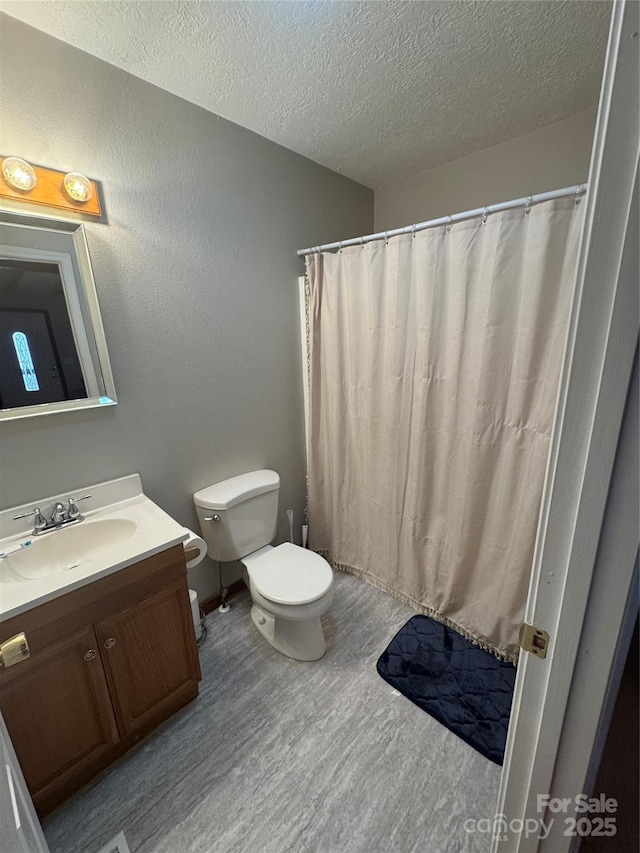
(53, 353)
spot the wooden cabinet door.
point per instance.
(151, 659)
(59, 715)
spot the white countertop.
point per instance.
(117, 499)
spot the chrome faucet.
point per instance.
(60, 517)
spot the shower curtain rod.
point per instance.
(576, 191)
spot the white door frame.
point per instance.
(20, 827)
(611, 613)
(598, 363)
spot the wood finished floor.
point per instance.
(277, 755)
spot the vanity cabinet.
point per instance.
(108, 663)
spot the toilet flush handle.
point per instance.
(215, 517)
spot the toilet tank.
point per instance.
(244, 513)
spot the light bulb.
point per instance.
(78, 187)
(19, 173)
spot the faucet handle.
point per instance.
(35, 511)
(39, 523)
(72, 509)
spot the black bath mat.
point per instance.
(464, 687)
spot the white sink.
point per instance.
(121, 527)
(70, 547)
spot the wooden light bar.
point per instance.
(49, 191)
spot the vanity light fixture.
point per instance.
(24, 183)
(19, 174)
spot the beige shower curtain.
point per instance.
(434, 362)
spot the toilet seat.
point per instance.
(288, 574)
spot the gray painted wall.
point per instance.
(196, 275)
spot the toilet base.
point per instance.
(301, 639)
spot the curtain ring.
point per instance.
(450, 224)
(362, 242)
(485, 216)
(340, 246)
(527, 207)
(578, 197)
(386, 237)
(413, 232)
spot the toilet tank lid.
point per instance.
(230, 492)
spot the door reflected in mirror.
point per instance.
(37, 347)
(53, 354)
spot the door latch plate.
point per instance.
(534, 640)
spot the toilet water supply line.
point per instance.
(223, 607)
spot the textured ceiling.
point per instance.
(374, 90)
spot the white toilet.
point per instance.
(290, 587)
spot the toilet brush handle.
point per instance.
(290, 517)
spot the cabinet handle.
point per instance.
(110, 643)
(90, 654)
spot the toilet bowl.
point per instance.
(290, 587)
